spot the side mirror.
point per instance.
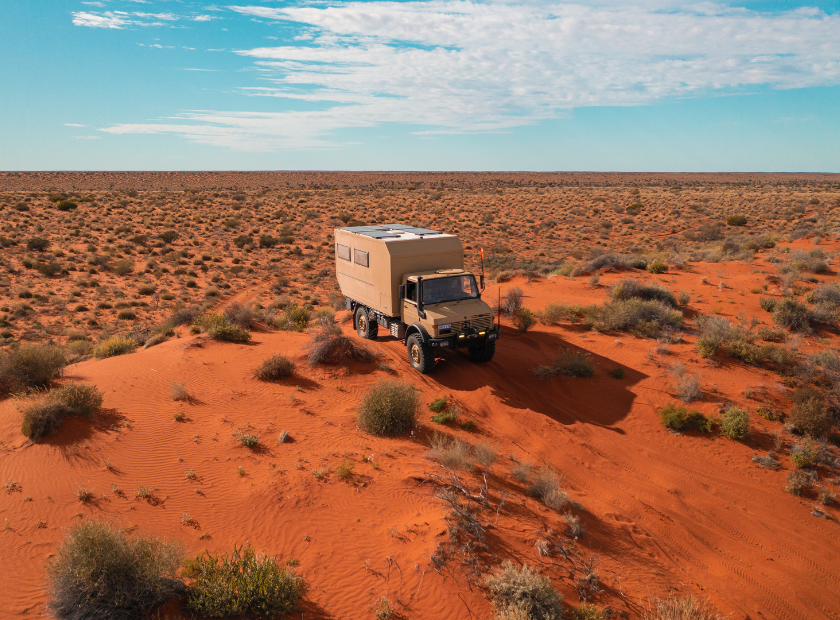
(402, 291)
(481, 281)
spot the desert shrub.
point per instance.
(267, 241)
(79, 347)
(735, 423)
(587, 611)
(183, 316)
(101, 572)
(247, 439)
(126, 315)
(219, 328)
(645, 318)
(241, 315)
(688, 386)
(708, 346)
(768, 304)
(736, 220)
(147, 289)
(522, 593)
(46, 416)
(485, 454)
(243, 240)
(451, 452)
(274, 368)
(524, 319)
(683, 298)
(797, 482)
(771, 335)
(438, 404)
(512, 301)
(748, 352)
(446, 416)
(242, 584)
(811, 416)
(294, 318)
(32, 365)
(168, 236)
(805, 454)
(552, 314)
(118, 345)
(568, 362)
(681, 418)
(547, 486)
(636, 289)
(388, 408)
(123, 267)
(827, 294)
(791, 314)
(66, 205)
(179, 391)
(657, 266)
(824, 313)
(49, 269)
(673, 608)
(329, 345)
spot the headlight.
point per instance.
(445, 326)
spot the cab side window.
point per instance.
(411, 291)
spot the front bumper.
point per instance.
(468, 339)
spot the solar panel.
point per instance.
(389, 231)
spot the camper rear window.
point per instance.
(360, 258)
(343, 251)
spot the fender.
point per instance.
(419, 329)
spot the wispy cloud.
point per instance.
(457, 66)
(74, 125)
(87, 137)
(123, 19)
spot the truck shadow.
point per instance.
(601, 400)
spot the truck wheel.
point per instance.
(366, 328)
(483, 352)
(420, 354)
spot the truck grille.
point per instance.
(481, 322)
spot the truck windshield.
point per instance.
(454, 288)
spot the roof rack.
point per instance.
(390, 231)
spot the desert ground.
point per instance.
(651, 510)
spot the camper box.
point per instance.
(371, 261)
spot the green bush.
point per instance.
(101, 572)
(46, 416)
(330, 346)
(736, 220)
(657, 266)
(37, 244)
(636, 289)
(66, 205)
(389, 408)
(126, 315)
(682, 418)
(811, 416)
(438, 404)
(708, 346)
(274, 368)
(767, 304)
(219, 328)
(805, 455)
(646, 318)
(791, 314)
(735, 423)
(242, 584)
(117, 345)
(522, 593)
(294, 319)
(32, 365)
(524, 319)
(568, 362)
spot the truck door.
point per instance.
(409, 307)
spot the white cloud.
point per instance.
(87, 137)
(109, 19)
(447, 65)
(74, 125)
(204, 18)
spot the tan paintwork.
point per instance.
(377, 286)
(392, 262)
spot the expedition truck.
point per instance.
(412, 282)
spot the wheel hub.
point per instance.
(415, 354)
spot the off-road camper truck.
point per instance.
(412, 282)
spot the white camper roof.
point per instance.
(394, 232)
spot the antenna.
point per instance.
(482, 268)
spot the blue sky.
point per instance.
(420, 85)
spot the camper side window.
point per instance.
(343, 251)
(411, 291)
(360, 258)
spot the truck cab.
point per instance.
(412, 281)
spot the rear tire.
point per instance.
(420, 354)
(484, 352)
(366, 328)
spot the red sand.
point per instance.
(664, 513)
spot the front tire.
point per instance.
(420, 354)
(366, 328)
(484, 352)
